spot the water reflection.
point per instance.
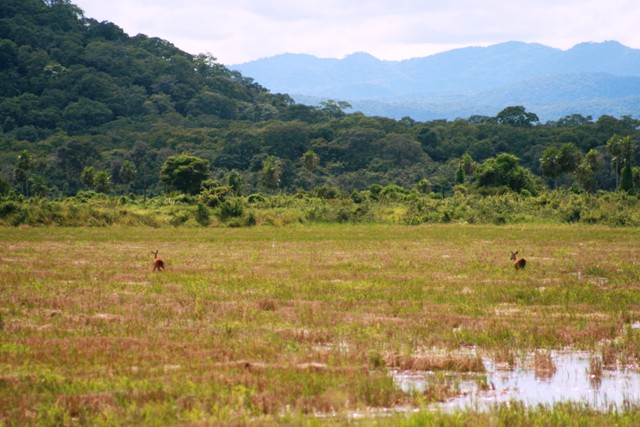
(545, 378)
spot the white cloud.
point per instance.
(242, 30)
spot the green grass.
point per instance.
(267, 324)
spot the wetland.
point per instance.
(409, 325)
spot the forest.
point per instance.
(86, 109)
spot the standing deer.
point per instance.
(518, 263)
(158, 264)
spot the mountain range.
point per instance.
(589, 79)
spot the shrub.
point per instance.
(232, 208)
(256, 198)
(202, 215)
(326, 192)
(8, 208)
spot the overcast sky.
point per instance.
(237, 31)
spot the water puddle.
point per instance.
(575, 377)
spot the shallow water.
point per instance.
(571, 381)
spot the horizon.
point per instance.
(436, 53)
(246, 30)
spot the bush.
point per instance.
(8, 208)
(232, 208)
(256, 198)
(327, 192)
(202, 215)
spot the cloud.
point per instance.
(242, 30)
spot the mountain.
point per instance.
(590, 79)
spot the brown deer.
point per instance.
(518, 263)
(158, 264)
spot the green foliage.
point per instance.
(102, 182)
(271, 172)
(202, 215)
(424, 186)
(76, 93)
(621, 149)
(626, 181)
(549, 163)
(286, 140)
(504, 171)
(128, 172)
(185, 173)
(391, 204)
(310, 161)
(235, 182)
(88, 175)
(517, 116)
(460, 175)
(231, 208)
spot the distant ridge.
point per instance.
(589, 79)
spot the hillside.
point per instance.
(590, 79)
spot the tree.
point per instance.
(424, 186)
(99, 181)
(574, 120)
(621, 150)
(467, 163)
(441, 185)
(88, 176)
(556, 162)
(398, 150)
(626, 181)
(358, 146)
(128, 173)
(286, 140)
(504, 171)
(549, 163)
(146, 163)
(85, 113)
(310, 160)
(569, 157)
(235, 182)
(102, 182)
(212, 103)
(635, 170)
(5, 187)
(271, 172)
(517, 116)
(588, 168)
(24, 164)
(431, 143)
(460, 174)
(184, 173)
(335, 109)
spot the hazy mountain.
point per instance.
(590, 79)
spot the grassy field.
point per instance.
(300, 324)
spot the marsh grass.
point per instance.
(272, 324)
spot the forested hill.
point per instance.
(84, 105)
(62, 71)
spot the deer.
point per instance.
(518, 263)
(158, 264)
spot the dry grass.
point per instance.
(436, 362)
(543, 365)
(262, 324)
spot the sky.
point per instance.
(238, 31)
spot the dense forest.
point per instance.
(84, 107)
